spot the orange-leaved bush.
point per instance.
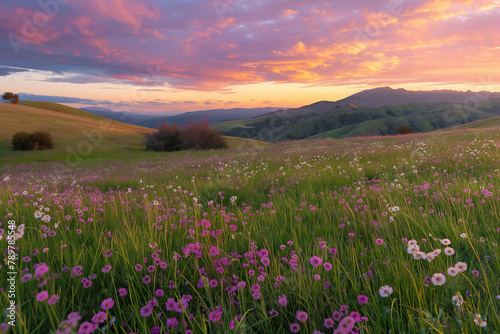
(199, 136)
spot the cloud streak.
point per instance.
(312, 42)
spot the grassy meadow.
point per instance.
(393, 234)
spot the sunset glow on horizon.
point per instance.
(149, 56)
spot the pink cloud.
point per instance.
(312, 42)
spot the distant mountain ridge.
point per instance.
(152, 121)
(384, 96)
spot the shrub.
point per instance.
(41, 141)
(199, 136)
(21, 141)
(193, 135)
(166, 139)
(404, 130)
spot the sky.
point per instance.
(184, 55)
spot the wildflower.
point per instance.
(273, 313)
(52, 300)
(457, 300)
(329, 323)
(449, 251)
(346, 324)
(26, 278)
(317, 277)
(294, 328)
(327, 266)
(86, 328)
(122, 292)
(214, 251)
(412, 248)
(315, 261)
(40, 270)
(86, 283)
(172, 322)
(463, 235)
(452, 271)
(41, 296)
(282, 301)
(302, 316)
(446, 242)
(385, 291)
(146, 311)
(379, 241)
(77, 271)
(362, 299)
(215, 315)
(100, 317)
(475, 273)
(479, 322)
(461, 266)
(107, 304)
(438, 279)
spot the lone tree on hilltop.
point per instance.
(404, 130)
(13, 98)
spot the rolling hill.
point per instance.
(152, 121)
(77, 134)
(383, 96)
(333, 119)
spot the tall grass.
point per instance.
(333, 199)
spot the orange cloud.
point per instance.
(129, 12)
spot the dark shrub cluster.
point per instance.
(404, 130)
(193, 135)
(166, 139)
(25, 141)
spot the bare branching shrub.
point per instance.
(199, 136)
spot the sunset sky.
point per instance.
(180, 55)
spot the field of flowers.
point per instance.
(374, 235)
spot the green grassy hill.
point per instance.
(77, 134)
(491, 123)
(61, 108)
(330, 119)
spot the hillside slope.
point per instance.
(330, 119)
(77, 134)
